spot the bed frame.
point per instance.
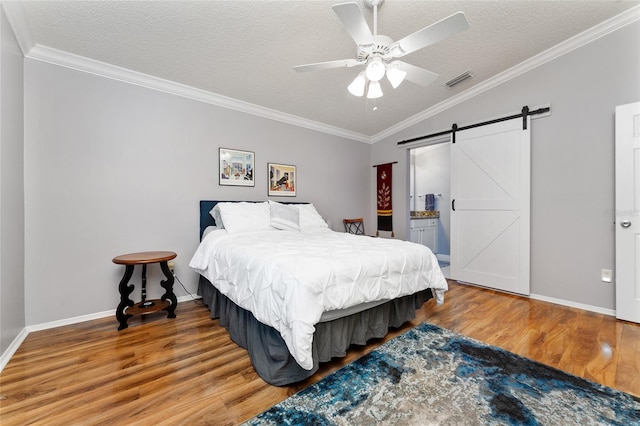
(334, 334)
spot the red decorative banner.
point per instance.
(385, 211)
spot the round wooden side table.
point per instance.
(127, 308)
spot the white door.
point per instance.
(628, 212)
(490, 191)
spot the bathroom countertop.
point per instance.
(424, 214)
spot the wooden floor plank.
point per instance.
(187, 370)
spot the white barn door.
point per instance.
(627, 212)
(490, 217)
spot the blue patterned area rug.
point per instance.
(432, 376)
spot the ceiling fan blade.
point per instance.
(354, 22)
(442, 29)
(328, 65)
(416, 75)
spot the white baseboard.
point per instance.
(88, 317)
(13, 347)
(570, 304)
(562, 302)
(443, 257)
(188, 298)
(69, 321)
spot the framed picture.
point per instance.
(282, 180)
(236, 167)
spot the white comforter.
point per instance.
(288, 279)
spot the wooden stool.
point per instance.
(354, 226)
(127, 308)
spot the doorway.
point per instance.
(430, 190)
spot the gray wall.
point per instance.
(113, 168)
(12, 307)
(572, 230)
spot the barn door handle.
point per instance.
(625, 223)
(453, 205)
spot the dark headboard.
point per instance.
(205, 218)
(206, 205)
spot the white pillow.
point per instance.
(284, 217)
(245, 217)
(208, 230)
(310, 218)
(215, 214)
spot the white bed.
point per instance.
(284, 265)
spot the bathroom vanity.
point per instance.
(423, 228)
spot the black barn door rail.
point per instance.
(454, 128)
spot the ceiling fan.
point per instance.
(379, 52)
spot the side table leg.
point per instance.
(125, 291)
(168, 286)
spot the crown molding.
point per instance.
(19, 23)
(102, 69)
(628, 17)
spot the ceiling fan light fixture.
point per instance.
(357, 86)
(375, 91)
(375, 69)
(395, 76)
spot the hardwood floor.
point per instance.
(187, 371)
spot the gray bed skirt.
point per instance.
(268, 352)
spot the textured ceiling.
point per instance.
(245, 50)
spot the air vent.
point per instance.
(455, 80)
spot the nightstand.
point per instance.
(127, 308)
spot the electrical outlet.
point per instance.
(607, 275)
(171, 266)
